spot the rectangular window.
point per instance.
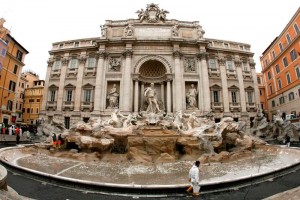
(91, 62)
(288, 38)
(20, 107)
(56, 65)
(241, 47)
(67, 122)
(260, 92)
(273, 53)
(281, 48)
(273, 103)
(31, 110)
(61, 45)
(291, 96)
(297, 72)
(293, 55)
(277, 69)
(279, 84)
(31, 100)
(12, 86)
(229, 65)
(37, 110)
(52, 95)
(212, 64)
(69, 95)
(269, 75)
(281, 100)
(288, 78)
(258, 80)
(3, 52)
(15, 69)
(87, 95)
(73, 63)
(285, 62)
(296, 28)
(216, 96)
(76, 44)
(38, 100)
(271, 88)
(19, 55)
(226, 45)
(245, 67)
(266, 62)
(28, 110)
(262, 106)
(233, 96)
(9, 105)
(250, 96)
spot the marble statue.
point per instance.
(129, 30)
(175, 32)
(151, 99)
(113, 97)
(191, 96)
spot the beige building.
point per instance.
(90, 77)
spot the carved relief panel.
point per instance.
(114, 65)
(189, 65)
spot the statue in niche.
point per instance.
(189, 65)
(191, 96)
(114, 64)
(113, 97)
(129, 30)
(103, 31)
(151, 99)
(175, 32)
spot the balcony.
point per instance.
(251, 107)
(68, 105)
(235, 106)
(217, 106)
(72, 72)
(247, 74)
(87, 106)
(90, 71)
(214, 72)
(55, 73)
(231, 73)
(51, 105)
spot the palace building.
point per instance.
(91, 77)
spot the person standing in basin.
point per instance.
(194, 177)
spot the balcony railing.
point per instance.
(68, 105)
(51, 105)
(55, 73)
(90, 71)
(217, 106)
(87, 105)
(72, 72)
(214, 72)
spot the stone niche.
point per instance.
(113, 95)
(191, 103)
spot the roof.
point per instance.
(17, 43)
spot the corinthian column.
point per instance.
(82, 60)
(254, 77)
(238, 67)
(224, 85)
(136, 96)
(99, 82)
(168, 97)
(60, 96)
(205, 82)
(46, 86)
(127, 97)
(177, 81)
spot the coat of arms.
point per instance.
(152, 13)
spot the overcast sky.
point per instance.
(36, 24)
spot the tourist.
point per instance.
(59, 141)
(3, 128)
(17, 131)
(287, 140)
(10, 130)
(54, 140)
(194, 177)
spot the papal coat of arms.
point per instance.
(152, 14)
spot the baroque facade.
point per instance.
(88, 78)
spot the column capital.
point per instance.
(252, 64)
(102, 54)
(127, 53)
(221, 61)
(65, 60)
(50, 62)
(237, 63)
(202, 55)
(82, 59)
(177, 54)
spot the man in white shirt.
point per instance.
(194, 176)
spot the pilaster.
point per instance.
(178, 80)
(82, 61)
(224, 84)
(238, 67)
(127, 97)
(60, 96)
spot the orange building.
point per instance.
(34, 92)
(10, 77)
(262, 93)
(281, 70)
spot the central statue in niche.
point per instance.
(151, 99)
